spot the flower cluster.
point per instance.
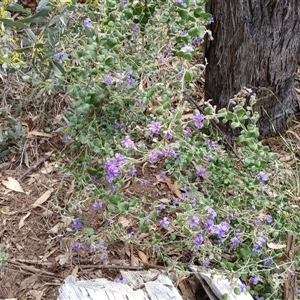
(198, 119)
(112, 167)
(258, 244)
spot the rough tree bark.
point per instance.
(256, 45)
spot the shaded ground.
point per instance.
(38, 243)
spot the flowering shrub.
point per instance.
(130, 68)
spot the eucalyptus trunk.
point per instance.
(255, 45)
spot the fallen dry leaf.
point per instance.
(75, 271)
(43, 198)
(125, 222)
(13, 184)
(276, 246)
(22, 221)
(34, 133)
(143, 257)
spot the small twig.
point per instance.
(131, 255)
(86, 267)
(145, 267)
(32, 269)
(34, 167)
(34, 262)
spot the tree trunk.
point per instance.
(255, 45)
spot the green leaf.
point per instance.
(153, 215)
(188, 76)
(128, 13)
(193, 32)
(18, 7)
(88, 231)
(133, 201)
(111, 42)
(116, 199)
(123, 207)
(42, 4)
(35, 18)
(237, 291)
(111, 207)
(83, 138)
(92, 171)
(188, 56)
(183, 14)
(234, 125)
(13, 24)
(109, 61)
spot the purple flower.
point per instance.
(210, 20)
(147, 220)
(208, 224)
(111, 167)
(162, 206)
(198, 120)
(108, 79)
(120, 158)
(187, 131)
(258, 223)
(154, 128)
(164, 222)
(211, 144)
(211, 212)
(133, 171)
(87, 23)
(118, 280)
(238, 230)
(135, 28)
(201, 172)
(76, 223)
(258, 244)
(184, 32)
(254, 280)
(130, 234)
(60, 56)
(168, 135)
(175, 202)
(184, 194)
(75, 246)
(154, 156)
(199, 239)
(180, 2)
(187, 49)
(194, 221)
(170, 153)
(196, 40)
(127, 142)
(235, 241)
(194, 202)
(267, 261)
(242, 287)
(66, 138)
(206, 263)
(263, 177)
(97, 205)
(130, 80)
(162, 175)
(269, 219)
(94, 180)
(103, 259)
(123, 2)
(258, 298)
(250, 91)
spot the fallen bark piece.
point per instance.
(216, 285)
(153, 287)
